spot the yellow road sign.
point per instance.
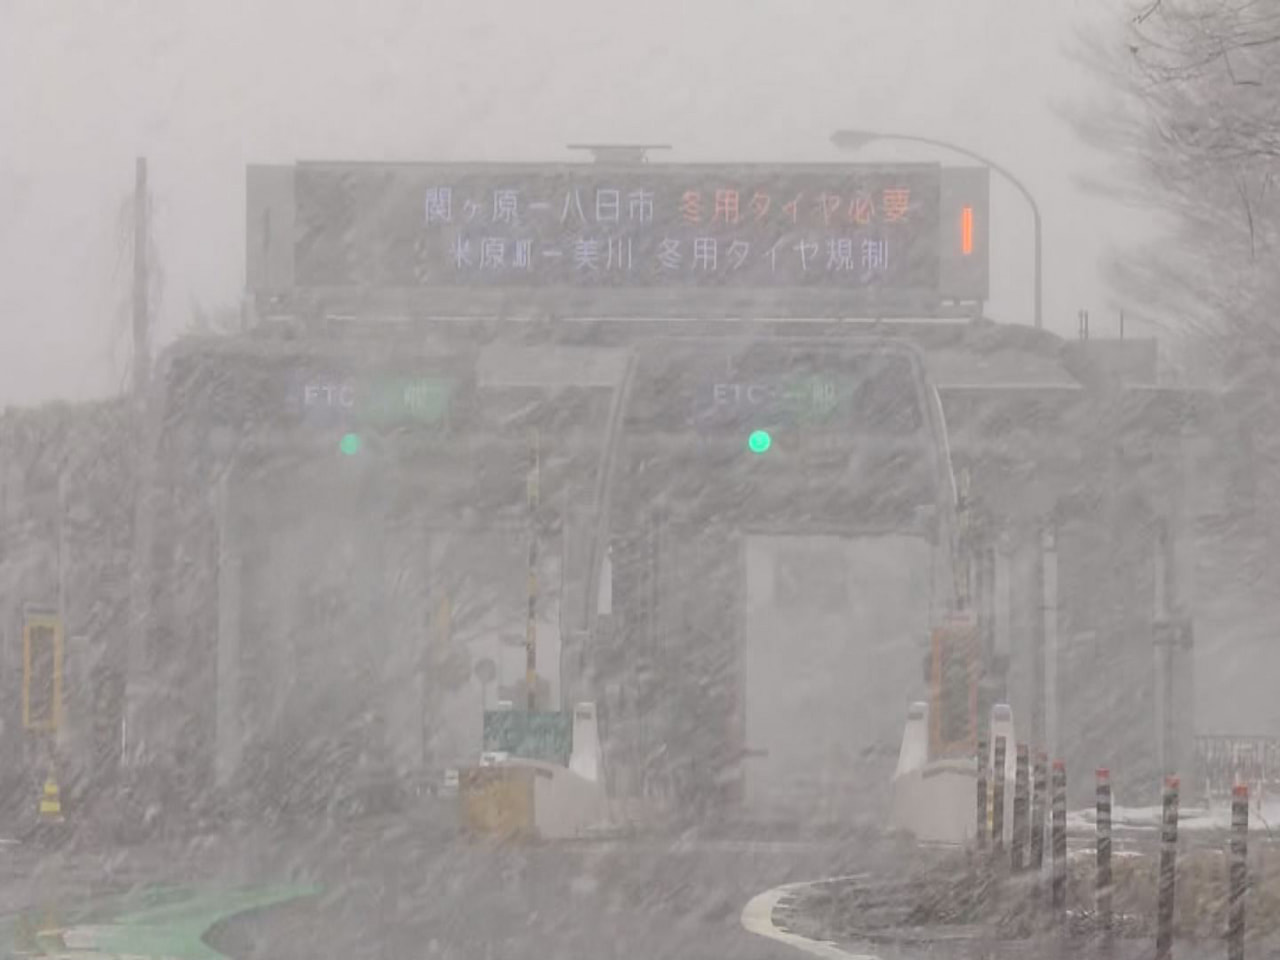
(42, 672)
(50, 802)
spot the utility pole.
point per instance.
(1047, 636)
(133, 656)
(62, 542)
(531, 625)
(141, 329)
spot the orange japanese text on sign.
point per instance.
(793, 208)
(726, 208)
(691, 206)
(861, 209)
(895, 203)
(760, 205)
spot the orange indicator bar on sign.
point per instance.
(966, 230)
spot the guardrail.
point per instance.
(1223, 761)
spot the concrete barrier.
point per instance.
(947, 801)
(933, 799)
(914, 753)
(912, 756)
(566, 805)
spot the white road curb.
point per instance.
(757, 918)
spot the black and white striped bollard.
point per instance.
(1039, 797)
(1021, 796)
(1168, 870)
(997, 799)
(1239, 875)
(1059, 834)
(1103, 883)
(984, 758)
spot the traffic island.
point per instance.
(970, 901)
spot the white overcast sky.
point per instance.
(203, 88)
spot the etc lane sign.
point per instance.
(388, 400)
(850, 233)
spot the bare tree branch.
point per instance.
(1142, 17)
(1194, 130)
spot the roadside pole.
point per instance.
(57, 737)
(997, 800)
(141, 324)
(1239, 876)
(1017, 849)
(1059, 834)
(1040, 795)
(1168, 870)
(136, 693)
(1102, 891)
(983, 759)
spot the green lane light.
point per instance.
(350, 444)
(759, 441)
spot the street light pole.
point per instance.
(856, 139)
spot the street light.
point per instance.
(857, 139)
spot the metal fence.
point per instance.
(1222, 761)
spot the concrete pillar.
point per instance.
(1172, 655)
(1025, 672)
(408, 573)
(1162, 606)
(61, 736)
(1003, 603)
(1049, 630)
(585, 759)
(228, 740)
(1037, 654)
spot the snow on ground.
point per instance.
(1213, 817)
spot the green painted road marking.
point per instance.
(176, 930)
(161, 922)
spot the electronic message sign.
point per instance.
(576, 226)
(465, 234)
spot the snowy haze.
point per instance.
(201, 89)
(737, 604)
